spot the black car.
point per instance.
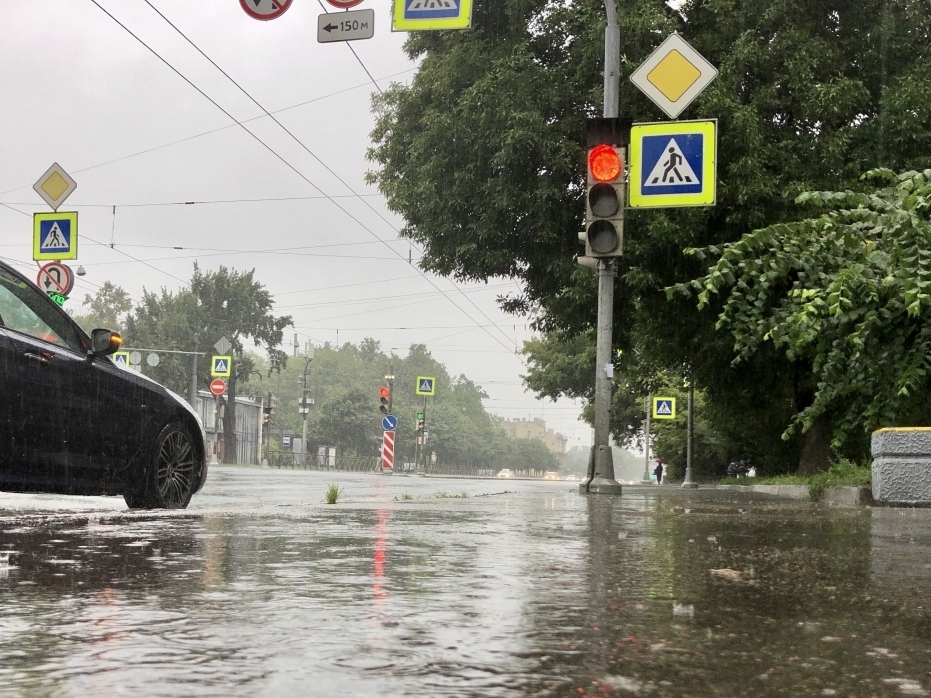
(73, 422)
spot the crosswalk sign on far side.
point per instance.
(664, 408)
(673, 164)
(221, 366)
(426, 385)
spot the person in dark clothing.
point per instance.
(658, 471)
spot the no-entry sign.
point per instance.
(344, 4)
(218, 387)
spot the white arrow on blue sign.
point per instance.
(389, 422)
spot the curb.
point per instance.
(849, 496)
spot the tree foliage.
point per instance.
(106, 309)
(848, 291)
(482, 154)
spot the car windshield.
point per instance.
(24, 309)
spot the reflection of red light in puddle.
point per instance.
(381, 529)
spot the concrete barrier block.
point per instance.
(902, 466)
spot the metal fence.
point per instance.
(293, 461)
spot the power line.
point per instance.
(309, 152)
(202, 203)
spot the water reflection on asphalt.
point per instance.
(260, 589)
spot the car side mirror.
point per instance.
(105, 342)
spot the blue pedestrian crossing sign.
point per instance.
(420, 15)
(664, 408)
(221, 366)
(55, 236)
(426, 385)
(121, 359)
(673, 164)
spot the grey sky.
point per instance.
(78, 89)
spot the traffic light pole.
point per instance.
(600, 479)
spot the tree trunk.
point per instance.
(815, 456)
(230, 450)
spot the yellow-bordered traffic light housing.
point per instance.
(384, 392)
(604, 201)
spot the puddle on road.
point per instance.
(662, 594)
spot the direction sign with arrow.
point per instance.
(346, 26)
(55, 277)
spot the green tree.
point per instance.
(225, 303)
(106, 308)
(482, 155)
(848, 291)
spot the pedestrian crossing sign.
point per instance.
(673, 164)
(121, 359)
(426, 385)
(221, 366)
(425, 15)
(664, 408)
(54, 236)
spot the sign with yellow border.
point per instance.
(221, 366)
(430, 15)
(426, 385)
(673, 164)
(664, 408)
(54, 236)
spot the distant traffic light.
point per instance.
(384, 393)
(604, 202)
(418, 422)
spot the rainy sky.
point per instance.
(78, 88)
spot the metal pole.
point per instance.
(600, 479)
(194, 381)
(689, 482)
(646, 442)
(423, 434)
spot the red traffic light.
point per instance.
(604, 163)
(384, 391)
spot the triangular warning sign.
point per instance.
(663, 407)
(671, 169)
(54, 239)
(426, 386)
(120, 360)
(220, 366)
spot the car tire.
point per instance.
(171, 473)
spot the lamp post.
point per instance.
(305, 404)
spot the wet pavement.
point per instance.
(406, 587)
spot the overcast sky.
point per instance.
(79, 89)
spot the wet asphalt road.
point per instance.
(260, 589)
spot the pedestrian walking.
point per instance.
(658, 471)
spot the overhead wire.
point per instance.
(314, 156)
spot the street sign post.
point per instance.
(55, 186)
(664, 408)
(673, 164)
(55, 277)
(426, 385)
(345, 26)
(221, 366)
(674, 75)
(265, 10)
(54, 236)
(218, 386)
(428, 15)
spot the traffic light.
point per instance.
(604, 202)
(384, 393)
(418, 423)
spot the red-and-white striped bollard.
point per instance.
(387, 452)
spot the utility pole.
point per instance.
(646, 442)
(600, 479)
(689, 483)
(305, 401)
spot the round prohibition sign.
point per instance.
(265, 10)
(344, 4)
(55, 277)
(217, 386)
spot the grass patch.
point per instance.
(843, 473)
(333, 493)
(444, 495)
(404, 497)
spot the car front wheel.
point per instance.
(171, 474)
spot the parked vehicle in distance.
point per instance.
(505, 472)
(572, 478)
(73, 422)
(550, 475)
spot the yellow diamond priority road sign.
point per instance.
(55, 186)
(674, 75)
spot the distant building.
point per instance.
(536, 429)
